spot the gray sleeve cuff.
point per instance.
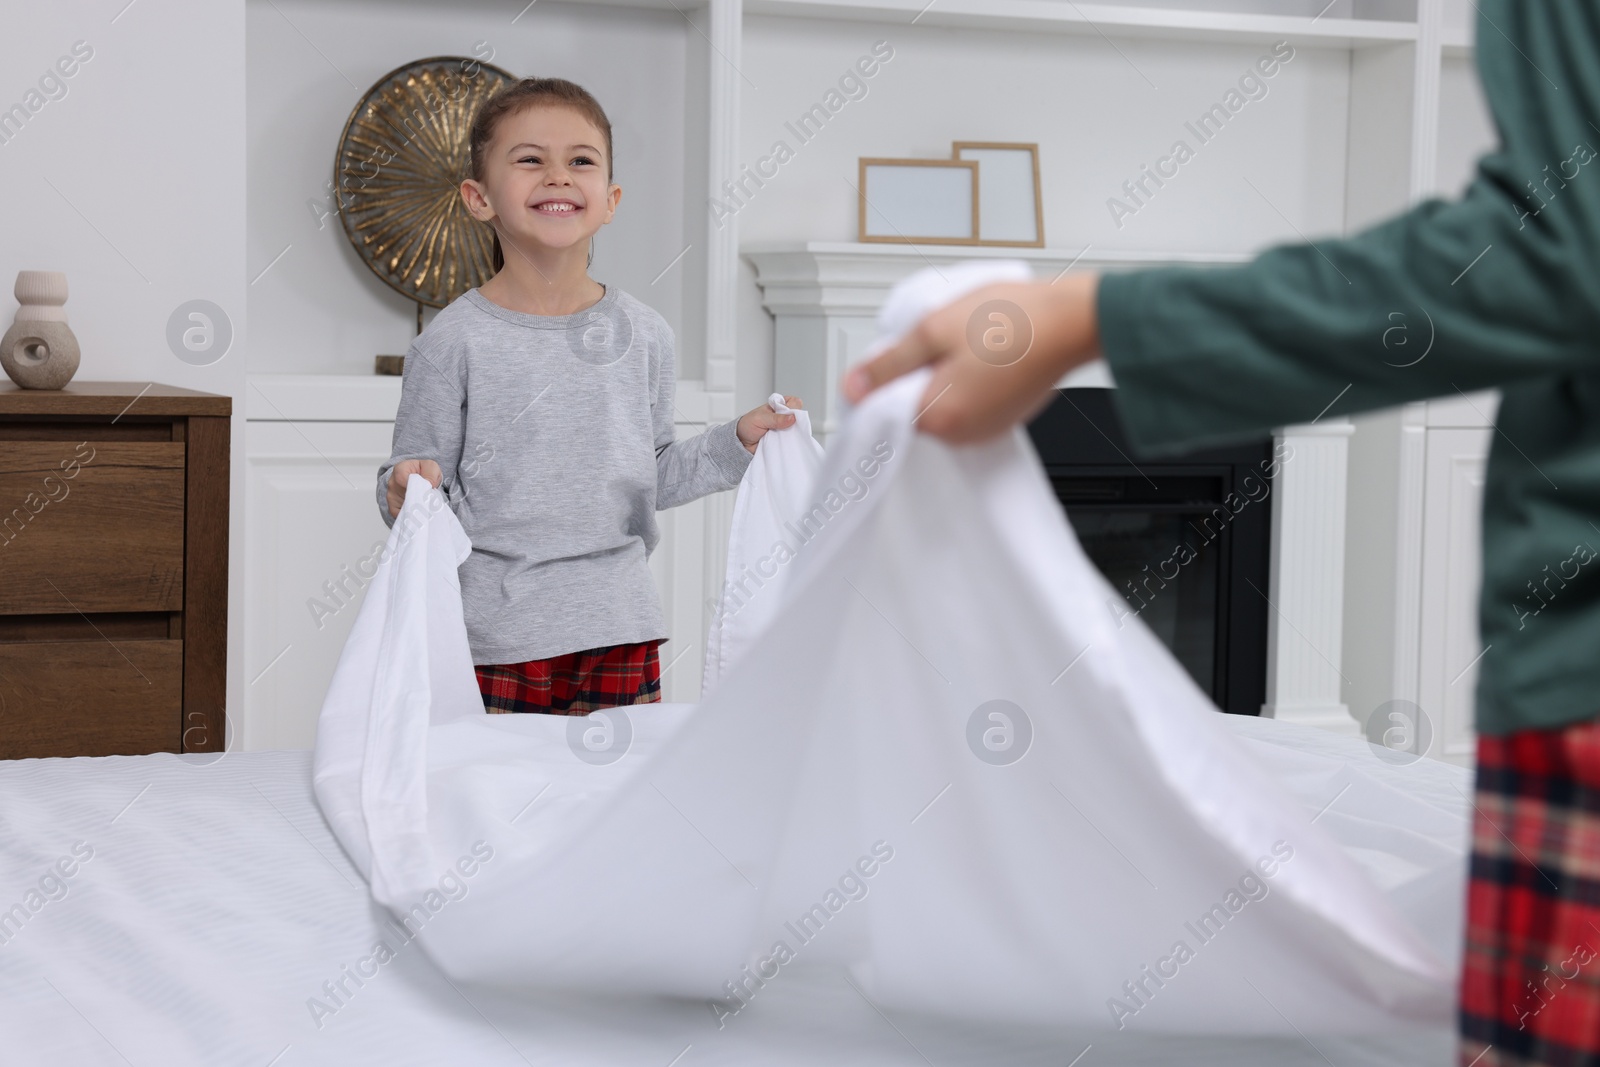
(383, 493)
(728, 452)
(450, 489)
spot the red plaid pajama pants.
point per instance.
(1530, 977)
(575, 683)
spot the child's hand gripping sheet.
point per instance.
(772, 520)
(940, 767)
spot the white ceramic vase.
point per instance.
(40, 351)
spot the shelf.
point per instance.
(1058, 16)
(926, 250)
(796, 276)
(1457, 43)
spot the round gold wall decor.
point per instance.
(398, 172)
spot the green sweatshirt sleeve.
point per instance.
(1497, 288)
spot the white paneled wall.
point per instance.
(1450, 649)
(313, 528)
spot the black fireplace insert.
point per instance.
(1185, 540)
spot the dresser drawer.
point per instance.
(91, 526)
(101, 697)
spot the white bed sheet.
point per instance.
(217, 903)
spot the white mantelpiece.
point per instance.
(825, 297)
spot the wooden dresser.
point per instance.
(113, 569)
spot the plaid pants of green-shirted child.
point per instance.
(1530, 976)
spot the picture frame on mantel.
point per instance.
(1012, 204)
(929, 200)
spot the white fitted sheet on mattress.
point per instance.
(217, 903)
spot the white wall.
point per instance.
(133, 184)
(319, 309)
(1465, 129)
(1095, 117)
(1097, 114)
(1460, 16)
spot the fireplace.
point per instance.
(824, 297)
(1185, 541)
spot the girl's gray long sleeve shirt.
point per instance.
(555, 437)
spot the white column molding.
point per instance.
(725, 35)
(1412, 471)
(1305, 627)
(1425, 99)
(722, 235)
(825, 297)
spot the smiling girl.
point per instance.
(541, 403)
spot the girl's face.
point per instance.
(544, 182)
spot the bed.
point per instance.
(206, 909)
(211, 917)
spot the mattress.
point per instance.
(198, 910)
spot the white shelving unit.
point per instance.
(1416, 630)
(1115, 20)
(1389, 148)
(1391, 151)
